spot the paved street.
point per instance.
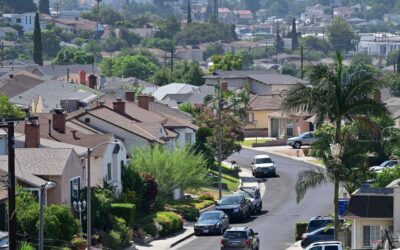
(280, 211)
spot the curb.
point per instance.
(181, 240)
(283, 155)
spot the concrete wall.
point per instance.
(357, 229)
(72, 170)
(115, 160)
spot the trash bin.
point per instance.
(342, 206)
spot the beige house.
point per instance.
(36, 166)
(372, 211)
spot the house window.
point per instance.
(18, 20)
(75, 187)
(371, 234)
(250, 117)
(188, 138)
(289, 128)
(109, 172)
(122, 164)
(30, 19)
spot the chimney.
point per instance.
(224, 86)
(130, 96)
(74, 134)
(82, 77)
(32, 134)
(59, 120)
(92, 81)
(143, 101)
(119, 106)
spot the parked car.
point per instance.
(3, 240)
(254, 195)
(263, 165)
(326, 245)
(243, 238)
(236, 206)
(211, 222)
(319, 222)
(321, 234)
(306, 138)
(384, 165)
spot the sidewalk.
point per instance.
(287, 151)
(295, 246)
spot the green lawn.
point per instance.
(249, 142)
(198, 204)
(229, 177)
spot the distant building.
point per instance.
(378, 44)
(7, 30)
(25, 20)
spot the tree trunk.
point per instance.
(336, 205)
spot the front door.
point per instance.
(274, 127)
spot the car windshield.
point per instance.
(383, 164)
(263, 160)
(247, 194)
(209, 216)
(234, 200)
(235, 234)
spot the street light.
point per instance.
(43, 189)
(88, 193)
(80, 207)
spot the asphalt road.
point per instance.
(280, 211)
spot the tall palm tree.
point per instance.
(335, 96)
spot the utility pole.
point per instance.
(172, 60)
(301, 62)
(219, 140)
(12, 213)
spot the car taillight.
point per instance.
(247, 243)
(222, 242)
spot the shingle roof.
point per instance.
(275, 78)
(226, 74)
(20, 173)
(266, 102)
(21, 82)
(370, 206)
(174, 88)
(55, 71)
(200, 94)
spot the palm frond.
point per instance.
(309, 179)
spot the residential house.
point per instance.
(378, 44)
(372, 211)
(243, 17)
(25, 20)
(315, 15)
(267, 119)
(226, 15)
(14, 83)
(78, 25)
(178, 92)
(190, 53)
(258, 81)
(343, 12)
(392, 18)
(116, 86)
(36, 166)
(4, 31)
(62, 72)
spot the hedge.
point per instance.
(125, 211)
(170, 222)
(301, 227)
(189, 213)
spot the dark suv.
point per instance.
(235, 206)
(243, 238)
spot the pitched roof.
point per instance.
(21, 82)
(174, 88)
(266, 102)
(200, 94)
(276, 78)
(56, 71)
(242, 12)
(8, 30)
(370, 206)
(21, 175)
(226, 74)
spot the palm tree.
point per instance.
(334, 95)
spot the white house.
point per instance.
(378, 44)
(26, 20)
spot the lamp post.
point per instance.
(89, 195)
(43, 189)
(80, 207)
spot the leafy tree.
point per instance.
(341, 36)
(316, 43)
(247, 58)
(104, 14)
(361, 59)
(162, 77)
(294, 35)
(189, 13)
(158, 43)
(387, 176)
(20, 6)
(168, 28)
(392, 57)
(197, 33)
(73, 55)
(332, 96)
(44, 7)
(37, 42)
(129, 66)
(185, 72)
(229, 61)
(290, 69)
(202, 146)
(131, 38)
(213, 49)
(113, 43)
(8, 109)
(180, 168)
(59, 223)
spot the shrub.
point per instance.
(59, 223)
(125, 211)
(150, 228)
(301, 228)
(189, 213)
(78, 243)
(170, 222)
(26, 246)
(387, 176)
(119, 237)
(101, 205)
(206, 196)
(151, 190)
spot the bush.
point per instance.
(151, 228)
(151, 190)
(189, 213)
(59, 223)
(119, 237)
(101, 205)
(387, 176)
(26, 246)
(125, 211)
(78, 243)
(301, 228)
(170, 222)
(206, 196)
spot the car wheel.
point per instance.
(297, 145)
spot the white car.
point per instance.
(384, 165)
(263, 165)
(326, 245)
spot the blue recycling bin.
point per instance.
(342, 206)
